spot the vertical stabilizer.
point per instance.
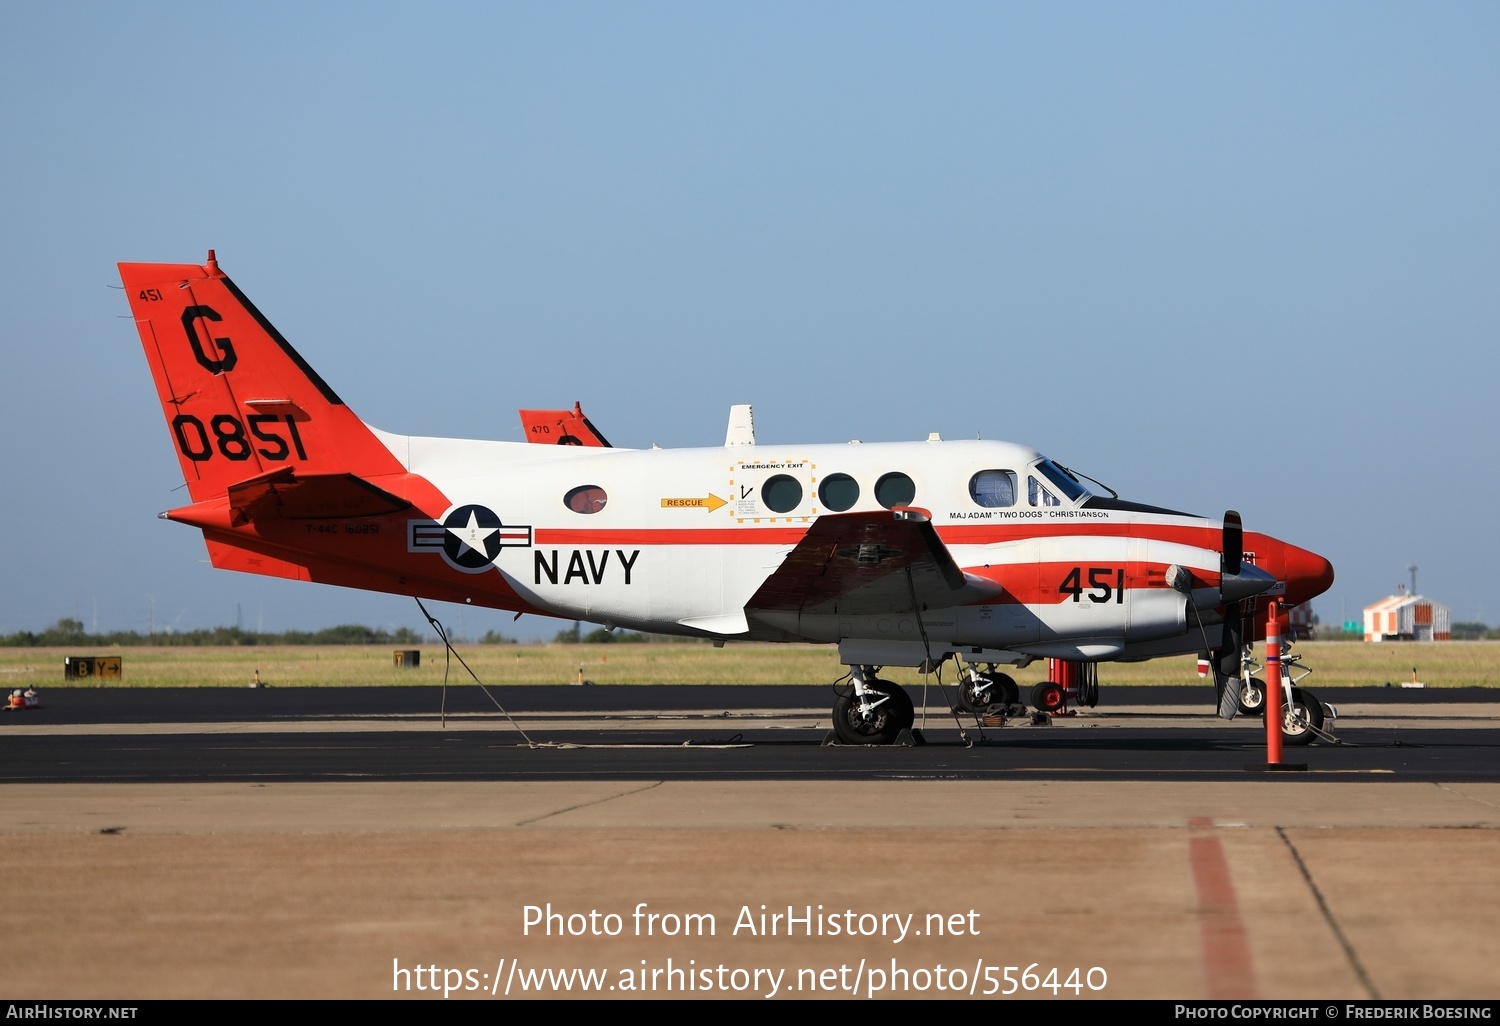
(561, 427)
(239, 401)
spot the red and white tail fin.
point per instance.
(239, 401)
(561, 427)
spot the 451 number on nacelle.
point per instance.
(1105, 584)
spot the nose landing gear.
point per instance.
(1303, 715)
(1302, 721)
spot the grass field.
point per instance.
(1335, 664)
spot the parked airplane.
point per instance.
(901, 553)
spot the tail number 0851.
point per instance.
(226, 434)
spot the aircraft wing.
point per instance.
(869, 563)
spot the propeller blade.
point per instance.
(1234, 543)
(1228, 660)
(1231, 648)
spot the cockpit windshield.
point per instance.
(1065, 482)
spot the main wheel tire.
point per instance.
(1302, 722)
(1008, 693)
(884, 723)
(985, 691)
(1047, 696)
(1252, 696)
(976, 692)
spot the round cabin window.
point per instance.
(781, 493)
(895, 489)
(838, 492)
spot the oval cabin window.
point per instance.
(586, 499)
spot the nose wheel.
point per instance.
(1252, 696)
(1302, 721)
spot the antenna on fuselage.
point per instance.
(741, 429)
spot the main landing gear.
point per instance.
(871, 711)
(874, 711)
(987, 691)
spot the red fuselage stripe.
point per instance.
(987, 534)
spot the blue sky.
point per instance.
(1215, 256)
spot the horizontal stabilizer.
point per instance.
(284, 494)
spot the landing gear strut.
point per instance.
(872, 711)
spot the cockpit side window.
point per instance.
(1039, 495)
(1065, 482)
(993, 488)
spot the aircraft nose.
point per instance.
(1308, 574)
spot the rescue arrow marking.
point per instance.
(710, 502)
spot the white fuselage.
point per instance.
(679, 541)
